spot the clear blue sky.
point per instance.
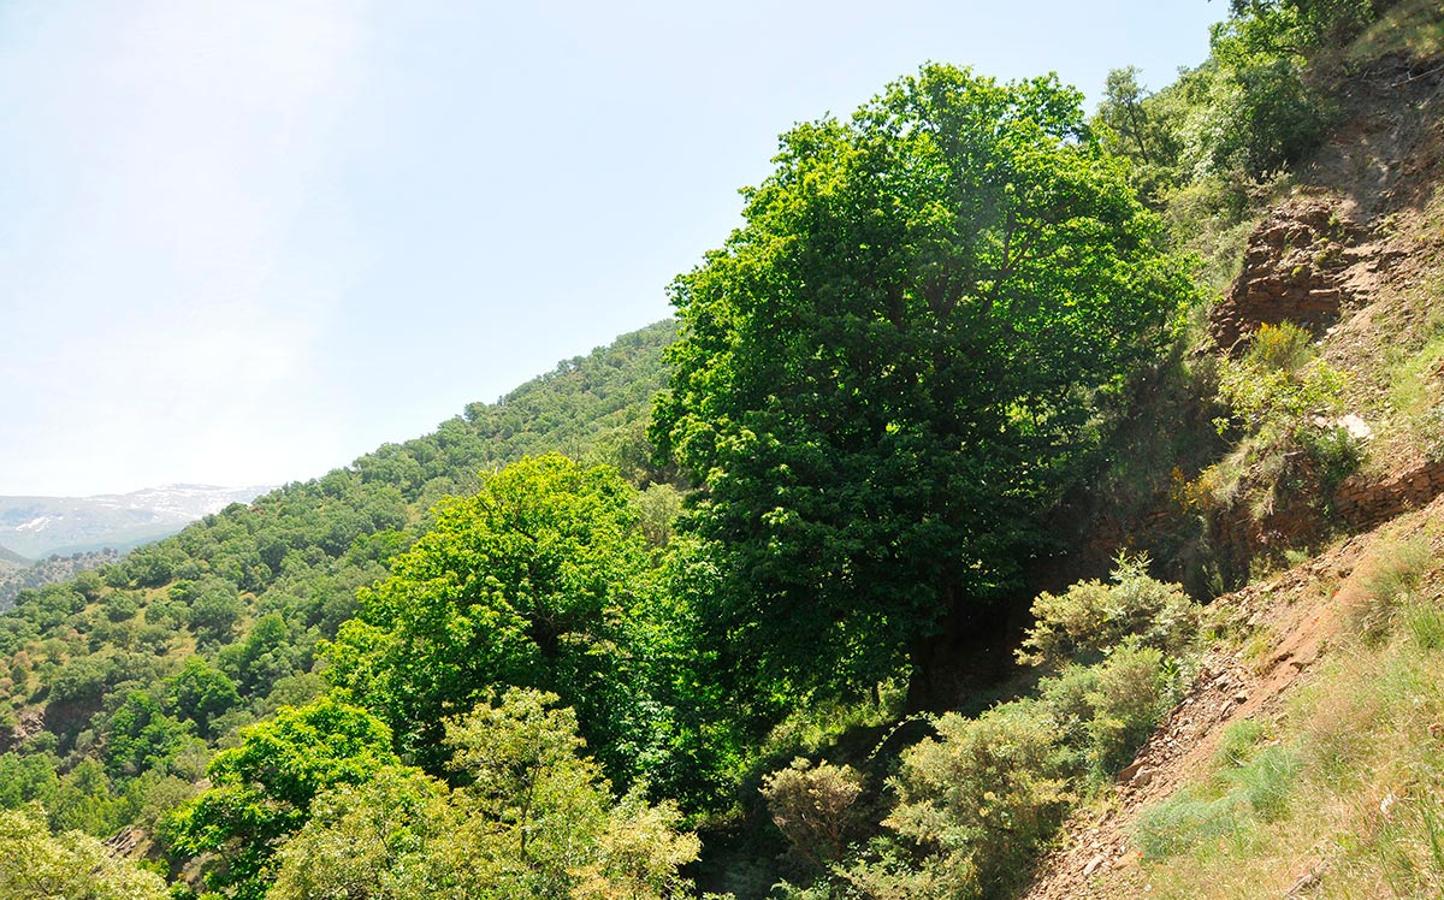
(244, 242)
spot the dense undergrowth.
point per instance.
(472, 666)
(974, 803)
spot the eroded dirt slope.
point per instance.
(1355, 253)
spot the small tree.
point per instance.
(540, 579)
(813, 807)
(141, 736)
(261, 791)
(522, 759)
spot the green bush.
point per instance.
(1279, 393)
(1092, 617)
(985, 794)
(1336, 453)
(1106, 711)
(1279, 384)
(814, 807)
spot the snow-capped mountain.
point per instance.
(37, 527)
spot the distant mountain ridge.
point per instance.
(38, 527)
(11, 560)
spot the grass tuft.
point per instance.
(1425, 624)
(1385, 581)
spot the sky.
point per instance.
(246, 242)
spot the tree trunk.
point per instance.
(971, 649)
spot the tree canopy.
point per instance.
(890, 371)
(532, 818)
(262, 790)
(540, 579)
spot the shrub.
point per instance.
(1279, 393)
(887, 872)
(1105, 712)
(1134, 692)
(1092, 617)
(1336, 453)
(640, 852)
(985, 794)
(1279, 385)
(813, 807)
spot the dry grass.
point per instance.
(1383, 582)
(1413, 27)
(1349, 783)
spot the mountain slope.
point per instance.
(1296, 678)
(48, 571)
(1305, 758)
(1288, 469)
(293, 559)
(10, 559)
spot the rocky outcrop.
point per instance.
(1364, 504)
(29, 723)
(1296, 269)
(126, 843)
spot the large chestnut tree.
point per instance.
(887, 375)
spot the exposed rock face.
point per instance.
(1364, 504)
(129, 842)
(1296, 269)
(29, 723)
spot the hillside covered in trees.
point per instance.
(47, 571)
(962, 469)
